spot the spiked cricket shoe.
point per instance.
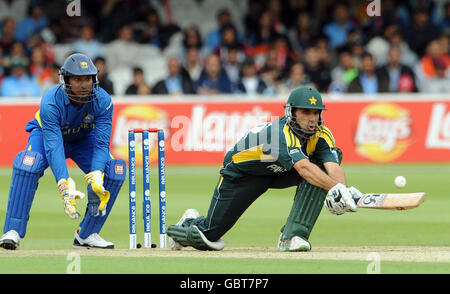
(296, 243)
(189, 213)
(10, 240)
(92, 241)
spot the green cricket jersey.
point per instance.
(273, 148)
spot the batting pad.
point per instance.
(115, 174)
(28, 167)
(307, 205)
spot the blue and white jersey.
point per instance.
(63, 124)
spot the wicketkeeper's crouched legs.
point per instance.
(115, 174)
(28, 167)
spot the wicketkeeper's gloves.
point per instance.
(69, 194)
(98, 197)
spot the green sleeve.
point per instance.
(324, 152)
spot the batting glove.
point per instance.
(339, 200)
(69, 194)
(98, 197)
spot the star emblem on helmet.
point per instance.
(312, 100)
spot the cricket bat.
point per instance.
(393, 201)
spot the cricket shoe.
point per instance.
(92, 241)
(296, 243)
(189, 213)
(10, 240)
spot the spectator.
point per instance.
(317, 72)
(156, 33)
(7, 35)
(302, 34)
(275, 9)
(421, 33)
(102, 75)
(425, 68)
(407, 9)
(441, 82)
(264, 33)
(292, 8)
(87, 44)
(250, 83)
(327, 56)
(213, 38)
(272, 72)
(178, 82)
(19, 83)
(232, 64)
(229, 38)
(39, 68)
(295, 79)
(115, 15)
(32, 24)
(192, 38)
(357, 49)
(285, 55)
(252, 16)
(17, 51)
(123, 52)
(338, 29)
(139, 85)
(409, 57)
(54, 79)
(16, 9)
(213, 79)
(193, 63)
(345, 72)
(395, 70)
(369, 81)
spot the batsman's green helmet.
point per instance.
(307, 98)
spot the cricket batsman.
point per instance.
(294, 150)
(74, 121)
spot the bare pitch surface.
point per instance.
(362, 253)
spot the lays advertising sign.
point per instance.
(201, 131)
(384, 132)
(137, 116)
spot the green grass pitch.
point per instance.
(341, 244)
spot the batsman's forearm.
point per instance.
(335, 171)
(315, 176)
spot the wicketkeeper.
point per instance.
(294, 150)
(74, 121)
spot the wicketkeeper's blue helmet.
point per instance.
(78, 64)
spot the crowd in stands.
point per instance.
(245, 47)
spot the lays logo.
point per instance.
(384, 132)
(138, 116)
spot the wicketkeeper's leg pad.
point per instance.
(115, 174)
(28, 167)
(190, 235)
